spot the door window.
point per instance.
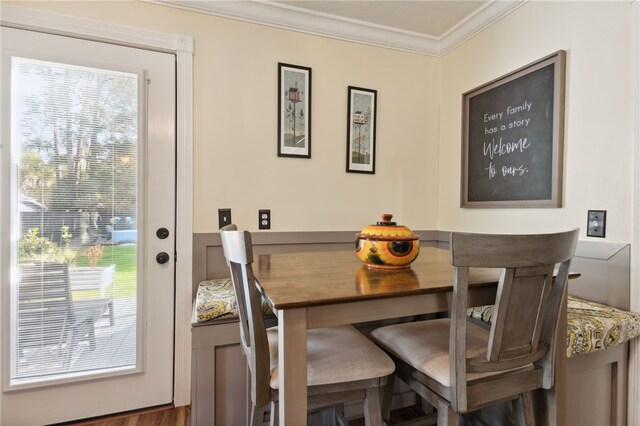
(75, 204)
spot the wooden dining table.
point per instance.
(323, 289)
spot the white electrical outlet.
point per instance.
(264, 219)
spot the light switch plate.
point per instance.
(596, 223)
(224, 217)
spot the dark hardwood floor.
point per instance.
(158, 416)
(401, 415)
(181, 416)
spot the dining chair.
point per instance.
(342, 364)
(47, 313)
(458, 366)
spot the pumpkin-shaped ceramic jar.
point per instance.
(387, 245)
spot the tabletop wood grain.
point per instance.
(295, 280)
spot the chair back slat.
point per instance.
(527, 305)
(519, 311)
(238, 252)
(241, 302)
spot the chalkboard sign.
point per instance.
(512, 140)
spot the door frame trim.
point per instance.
(182, 47)
(633, 411)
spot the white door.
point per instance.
(87, 178)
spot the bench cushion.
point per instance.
(216, 300)
(591, 326)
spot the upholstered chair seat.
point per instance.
(431, 357)
(335, 355)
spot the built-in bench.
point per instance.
(219, 371)
(591, 326)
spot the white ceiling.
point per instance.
(424, 26)
(429, 18)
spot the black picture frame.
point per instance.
(294, 111)
(513, 138)
(361, 130)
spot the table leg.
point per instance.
(292, 367)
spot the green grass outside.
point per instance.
(124, 257)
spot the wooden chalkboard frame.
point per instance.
(558, 60)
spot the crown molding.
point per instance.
(311, 22)
(480, 19)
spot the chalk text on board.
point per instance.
(492, 148)
(496, 116)
(492, 170)
(514, 124)
(506, 170)
(526, 106)
(517, 123)
(514, 171)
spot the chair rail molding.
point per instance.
(182, 47)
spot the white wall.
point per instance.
(419, 119)
(235, 116)
(599, 119)
(236, 131)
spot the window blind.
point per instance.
(75, 154)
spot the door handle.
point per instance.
(162, 233)
(162, 257)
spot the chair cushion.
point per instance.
(425, 346)
(591, 326)
(335, 355)
(216, 300)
